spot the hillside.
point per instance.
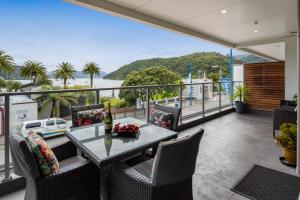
(200, 61)
(14, 76)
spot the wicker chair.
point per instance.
(166, 177)
(175, 111)
(77, 178)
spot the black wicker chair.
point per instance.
(175, 111)
(76, 109)
(284, 114)
(166, 177)
(77, 178)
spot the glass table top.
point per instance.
(101, 146)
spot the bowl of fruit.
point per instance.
(126, 130)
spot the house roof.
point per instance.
(255, 26)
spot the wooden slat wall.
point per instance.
(266, 82)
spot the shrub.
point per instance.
(288, 136)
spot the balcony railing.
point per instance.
(197, 100)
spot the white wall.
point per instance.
(290, 67)
(238, 73)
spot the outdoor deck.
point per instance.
(231, 145)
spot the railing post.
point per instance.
(220, 96)
(203, 95)
(148, 104)
(231, 93)
(181, 93)
(97, 97)
(6, 140)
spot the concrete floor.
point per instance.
(230, 147)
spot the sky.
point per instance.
(53, 31)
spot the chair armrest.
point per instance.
(64, 151)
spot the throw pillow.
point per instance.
(46, 160)
(161, 119)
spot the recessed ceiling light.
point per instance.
(224, 11)
(255, 31)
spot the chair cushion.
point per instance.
(162, 119)
(71, 163)
(45, 158)
(145, 168)
(87, 117)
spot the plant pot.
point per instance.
(290, 156)
(241, 107)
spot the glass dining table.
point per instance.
(103, 149)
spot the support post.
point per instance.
(181, 91)
(7, 176)
(203, 107)
(148, 104)
(298, 82)
(97, 97)
(220, 96)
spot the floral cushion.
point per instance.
(162, 119)
(46, 160)
(87, 117)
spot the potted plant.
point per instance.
(240, 96)
(288, 140)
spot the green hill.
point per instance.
(200, 61)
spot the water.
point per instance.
(98, 83)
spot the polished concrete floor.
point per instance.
(230, 147)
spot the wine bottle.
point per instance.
(108, 120)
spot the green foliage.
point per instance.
(241, 93)
(214, 77)
(288, 136)
(115, 102)
(158, 75)
(44, 80)
(13, 85)
(33, 70)
(200, 61)
(64, 72)
(6, 63)
(295, 98)
(58, 99)
(91, 69)
(2, 83)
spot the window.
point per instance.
(59, 122)
(50, 123)
(33, 125)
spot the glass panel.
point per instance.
(58, 122)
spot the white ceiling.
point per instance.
(203, 19)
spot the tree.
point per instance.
(65, 71)
(58, 99)
(214, 77)
(33, 70)
(13, 86)
(91, 69)
(157, 75)
(6, 63)
(44, 80)
(2, 83)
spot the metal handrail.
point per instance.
(147, 89)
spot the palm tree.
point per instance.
(6, 63)
(65, 71)
(13, 86)
(91, 69)
(44, 80)
(58, 99)
(33, 70)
